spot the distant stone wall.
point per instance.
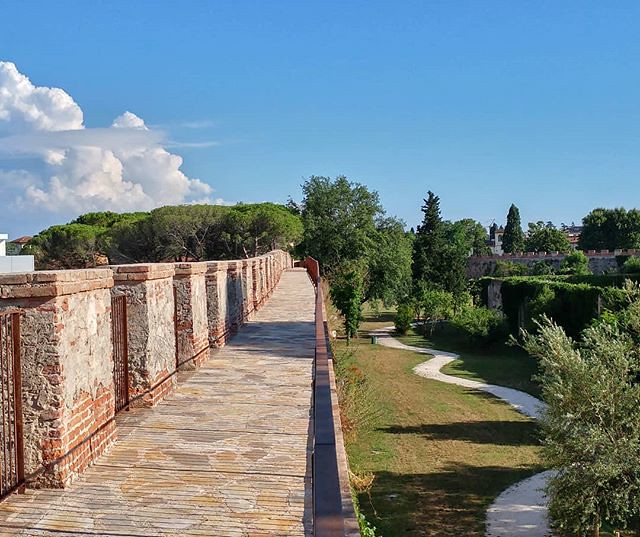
(175, 313)
(599, 261)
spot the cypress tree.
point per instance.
(429, 242)
(513, 238)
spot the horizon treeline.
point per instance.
(171, 233)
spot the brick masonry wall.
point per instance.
(599, 261)
(67, 352)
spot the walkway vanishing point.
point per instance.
(227, 454)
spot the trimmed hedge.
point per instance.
(571, 305)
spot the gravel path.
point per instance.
(521, 509)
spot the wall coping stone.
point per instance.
(52, 283)
(190, 269)
(143, 271)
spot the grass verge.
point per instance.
(499, 364)
(439, 454)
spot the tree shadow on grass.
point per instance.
(449, 502)
(382, 317)
(502, 433)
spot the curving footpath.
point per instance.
(521, 509)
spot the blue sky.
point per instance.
(485, 103)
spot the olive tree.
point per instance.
(591, 425)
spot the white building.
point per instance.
(13, 263)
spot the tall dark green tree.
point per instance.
(429, 243)
(513, 238)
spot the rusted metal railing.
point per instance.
(328, 517)
(120, 351)
(11, 428)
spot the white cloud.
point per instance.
(68, 168)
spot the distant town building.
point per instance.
(15, 246)
(495, 239)
(13, 263)
(573, 234)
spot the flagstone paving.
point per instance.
(227, 454)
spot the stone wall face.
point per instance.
(67, 364)
(599, 261)
(192, 328)
(151, 329)
(175, 313)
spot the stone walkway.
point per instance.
(227, 454)
(521, 510)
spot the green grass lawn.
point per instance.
(440, 453)
(500, 364)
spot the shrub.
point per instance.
(347, 294)
(508, 268)
(542, 268)
(481, 325)
(631, 266)
(575, 263)
(404, 317)
(435, 306)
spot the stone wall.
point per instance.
(599, 261)
(175, 313)
(67, 380)
(151, 329)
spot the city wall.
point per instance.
(600, 261)
(175, 313)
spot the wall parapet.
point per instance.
(52, 283)
(67, 345)
(600, 261)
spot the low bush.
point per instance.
(575, 263)
(481, 325)
(631, 266)
(542, 268)
(509, 268)
(404, 317)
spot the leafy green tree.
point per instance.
(470, 235)
(171, 233)
(344, 224)
(254, 229)
(347, 294)
(513, 238)
(592, 423)
(389, 263)
(441, 249)
(575, 263)
(435, 306)
(610, 229)
(543, 237)
(66, 246)
(339, 219)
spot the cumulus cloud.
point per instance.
(49, 159)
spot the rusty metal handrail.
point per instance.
(12, 476)
(328, 517)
